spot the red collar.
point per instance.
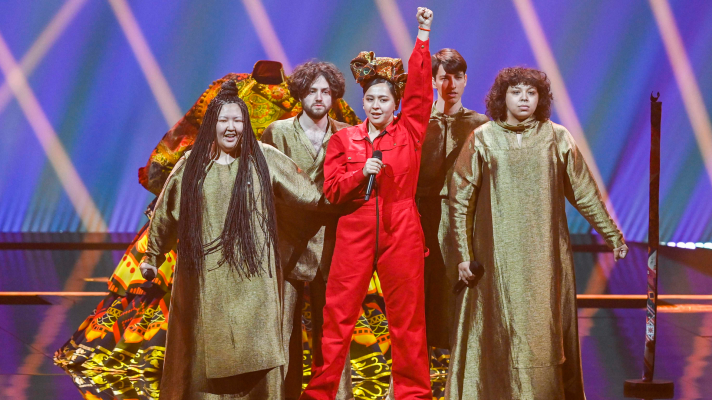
(362, 133)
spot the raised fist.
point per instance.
(425, 17)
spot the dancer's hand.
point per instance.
(148, 267)
(620, 252)
(425, 17)
(372, 167)
(463, 269)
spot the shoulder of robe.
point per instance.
(475, 118)
(180, 165)
(273, 155)
(338, 125)
(481, 131)
(563, 137)
(482, 119)
(276, 128)
(278, 162)
(269, 151)
(282, 124)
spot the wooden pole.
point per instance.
(648, 387)
(653, 239)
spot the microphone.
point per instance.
(477, 270)
(372, 177)
(148, 275)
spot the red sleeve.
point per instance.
(340, 186)
(418, 96)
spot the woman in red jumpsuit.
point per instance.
(383, 232)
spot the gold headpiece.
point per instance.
(367, 66)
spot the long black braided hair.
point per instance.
(250, 230)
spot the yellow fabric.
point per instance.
(507, 211)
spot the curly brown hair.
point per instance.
(305, 74)
(496, 98)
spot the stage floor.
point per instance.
(612, 340)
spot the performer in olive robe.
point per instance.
(517, 334)
(450, 124)
(306, 238)
(225, 330)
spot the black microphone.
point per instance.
(372, 177)
(148, 275)
(477, 270)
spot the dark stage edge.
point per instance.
(611, 339)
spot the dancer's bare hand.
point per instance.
(463, 269)
(372, 167)
(620, 252)
(425, 17)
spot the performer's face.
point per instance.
(229, 127)
(450, 86)
(521, 102)
(379, 104)
(318, 101)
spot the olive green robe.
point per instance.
(224, 332)
(307, 237)
(443, 140)
(517, 336)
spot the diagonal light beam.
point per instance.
(396, 28)
(69, 178)
(597, 284)
(564, 106)
(44, 42)
(696, 362)
(686, 81)
(149, 66)
(266, 33)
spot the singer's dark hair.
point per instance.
(249, 236)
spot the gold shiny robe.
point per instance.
(306, 238)
(444, 138)
(224, 332)
(517, 335)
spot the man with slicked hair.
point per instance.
(306, 239)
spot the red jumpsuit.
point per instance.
(401, 245)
